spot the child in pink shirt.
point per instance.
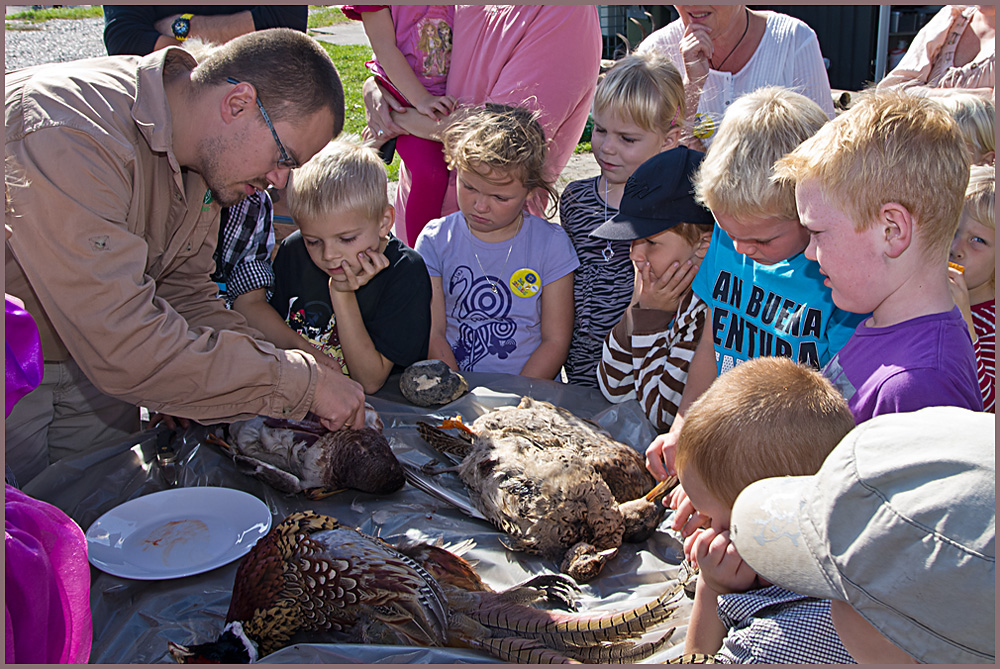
(412, 46)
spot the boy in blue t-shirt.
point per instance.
(765, 297)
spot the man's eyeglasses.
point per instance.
(286, 160)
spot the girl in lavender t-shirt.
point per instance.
(412, 46)
(501, 278)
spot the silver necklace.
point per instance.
(608, 252)
(503, 271)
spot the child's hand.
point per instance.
(960, 294)
(666, 291)
(660, 455)
(436, 106)
(372, 262)
(686, 518)
(721, 565)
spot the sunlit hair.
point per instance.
(975, 116)
(646, 88)
(889, 147)
(344, 176)
(734, 178)
(766, 417)
(980, 193)
(499, 142)
(293, 75)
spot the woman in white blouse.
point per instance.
(954, 52)
(725, 51)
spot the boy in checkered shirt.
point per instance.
(767, 417)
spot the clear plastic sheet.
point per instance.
(134, 620)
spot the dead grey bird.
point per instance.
(303, 456)
(557, 485)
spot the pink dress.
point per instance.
(423, 36)
(545, 57)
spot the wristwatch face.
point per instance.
(181, 27)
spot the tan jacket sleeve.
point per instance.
(89, 271)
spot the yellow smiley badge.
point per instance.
(704, 126)
(525, 282)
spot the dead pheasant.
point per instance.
(303, 456)
(557, 485)
(312, 580)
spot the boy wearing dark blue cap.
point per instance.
(646, 355)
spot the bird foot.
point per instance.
(554, 589)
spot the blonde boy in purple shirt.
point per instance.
(880, 190)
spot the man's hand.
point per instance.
(666, 291)
(721, 565)
(372, 262)
(165, 26)
(339, 402)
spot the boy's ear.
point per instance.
(896, 223)
(388, 218)
(988, 158)
(671, 139)
(701, 248)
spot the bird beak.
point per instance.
(661, 488)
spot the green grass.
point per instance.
(325, 15)
(350, 61)
(40, 15)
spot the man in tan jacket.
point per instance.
(118, 167)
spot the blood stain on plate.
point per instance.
(170, 535)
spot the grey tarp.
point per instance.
(134, 620)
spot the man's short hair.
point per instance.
(344, 176)
(646, 88)
(294, 76)
(757, 129)
(890, 146)
(765, 417)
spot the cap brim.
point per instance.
(628, 228)
(771, 530)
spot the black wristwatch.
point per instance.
(181, 27)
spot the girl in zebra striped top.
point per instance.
(638, 105)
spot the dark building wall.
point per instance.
(847, 37)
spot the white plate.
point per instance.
(177, 532)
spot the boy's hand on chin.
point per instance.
(371, 262)
(721, 566)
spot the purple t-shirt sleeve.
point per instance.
(427, 248)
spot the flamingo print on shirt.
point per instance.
(484, 326)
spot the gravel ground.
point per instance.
(55, 41)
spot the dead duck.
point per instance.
(557, 485)
(312, 580)
(303, 456)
